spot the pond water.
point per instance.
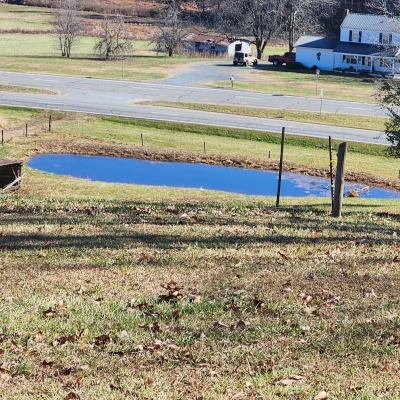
(190, 175)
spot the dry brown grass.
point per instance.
(174, 301)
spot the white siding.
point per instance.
(370, 37)
(309, 57)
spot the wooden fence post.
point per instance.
(339, 181)
(278, 194)
(331, 170)
(50, 123)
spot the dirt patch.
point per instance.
(150, 153)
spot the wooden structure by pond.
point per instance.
(10, 175)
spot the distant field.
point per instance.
(24, 18)
(39, 53)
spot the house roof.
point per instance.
(366, 49)
(317, 42)
(4, 162)
(371, 22)
(205, 39)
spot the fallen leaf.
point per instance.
(72, 396)
(146, 258)
(283, 255)
(285, 382)
(139, 348)
(218, 324)
(101, 340)
(242, 323)
(239, 395)
(66, 339)
(50, 312)
(258, 303)
(80, 290)
(321, 395)
(154, 327)
(46, 363)
(386, 366)
(290, 381)
(174, 292)
(194, 298)
(78, 382)
(149, 381)
(4, 376)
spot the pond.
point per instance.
(191, 175)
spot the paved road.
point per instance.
(123, 97)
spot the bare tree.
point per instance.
(304, 17)
(386, 7)
(260, 19)
(171, 33)
(114, 38)
(67, 25)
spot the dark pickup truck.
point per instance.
(280, 60)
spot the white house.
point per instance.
(368, 43)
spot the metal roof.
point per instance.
(371, 22)
(4, 162)
(364, 49)
(317, 42)
(205, 39)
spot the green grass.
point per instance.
(350, 121)
(177, 300)
(280, 80)
(299, 150)
(24, 18)
(23, 89)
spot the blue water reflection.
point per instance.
(190, 175)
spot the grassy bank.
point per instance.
(225, 142)
(345, 120)
(116, 299)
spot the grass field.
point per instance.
(345, 120)
(35, 51)
(115, 299)
(25, 19)
(116, 292)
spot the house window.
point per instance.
(238, 47)
(355, 36)
(385, 38)
(350, 59)
(366, 61)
